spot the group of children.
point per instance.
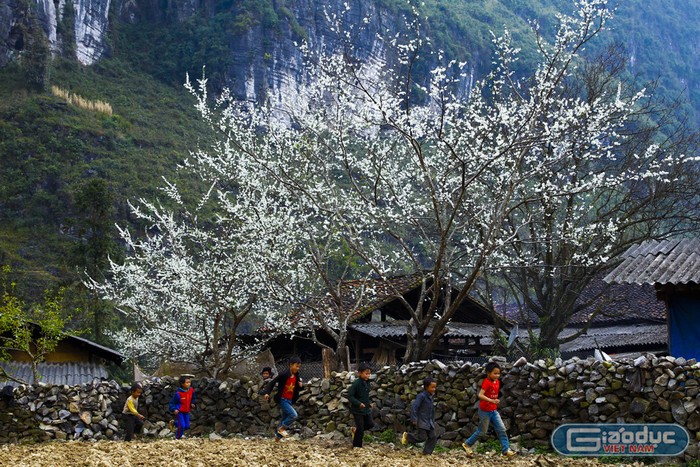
(288, 384)
(180, 405)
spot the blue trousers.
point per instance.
(486, 418)
(288, 414)
(183, 423)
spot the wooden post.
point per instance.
(328, 361)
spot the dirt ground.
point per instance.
(257, 453)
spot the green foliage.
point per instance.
(205, 39)
(36, 61)
(52, 151)
(386, 436)
(543, 449)
(490, 445)
(34, 330)
(65, 28)
(439, 449)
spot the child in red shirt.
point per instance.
(288, 384)
(488, 411)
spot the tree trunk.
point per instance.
(342, 353)
(35, 372)
(329, 361)
(414, 346)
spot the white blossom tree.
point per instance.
(196, 274)
(424, 179)
(367, 165)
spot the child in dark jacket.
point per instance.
(423, 418)
(181, 403)
(288, 384)
(360, 404)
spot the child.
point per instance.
(423, 418)
(266, 373)
(288, 383)
(488, 405)
(360, 404)
(181, 403)
(133, 420)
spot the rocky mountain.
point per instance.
(250, 46)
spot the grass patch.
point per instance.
(488, 446)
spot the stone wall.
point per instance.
(537, 397)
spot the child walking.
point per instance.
(133, 420)
(423, 418)
(180, 405)
(488, 411)
(360, 404)
(288, 383)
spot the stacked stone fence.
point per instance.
(537, 397)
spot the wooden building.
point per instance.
(377, 330)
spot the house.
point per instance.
(75, 361)
(673, 268)
(622, 320)
(377, 329)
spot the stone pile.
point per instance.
(537, 397)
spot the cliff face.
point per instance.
(260, 56)
(261, 60)
(88, 37)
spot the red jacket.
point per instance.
(182, 400)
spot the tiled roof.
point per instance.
(71, 374)
(398, 329)
(379, 292)
(659, 262)
(617, 303)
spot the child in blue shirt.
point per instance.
(181, 403)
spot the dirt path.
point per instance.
(253, 453)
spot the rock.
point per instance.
(522, 361)
(678, 412)
(638, 406)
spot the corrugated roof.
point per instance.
(659, 262)
(616, 336)
(71, 374)
(398, 329)
(608, 337)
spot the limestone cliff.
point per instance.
(261, 60)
